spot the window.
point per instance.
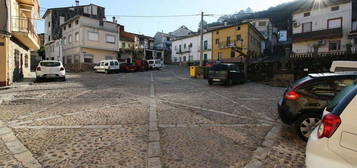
(232, 54)
(219, 56)
(26, 61)
(111, 63)
(77, 22)
(184, 46)
(228, 41)
(307, 27)
(49, 38)
(335, 8)
(76, 36)
(238, 28)
(110, 39)
(64, 41)
(262, 23)
(123, 45)
(307, 14)
(49, 24)
(70, 39)
(69, 25)
(93, 36)
(217, 32)
(76, 59)
(64, 28)
(217, 41)
(69, 59)
(334, 45)
(334, 23)
(89, 59)
(205, 45)
(239, 37)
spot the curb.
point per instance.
(261, 153)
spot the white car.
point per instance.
(50, 69)
(155, 64)
(107, 66)
(343, 66)
(334, 143)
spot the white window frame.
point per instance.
(93, 36)
(110, 38)
(76, 36)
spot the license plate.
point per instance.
(216, 80)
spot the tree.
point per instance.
(204, 25)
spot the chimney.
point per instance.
(77, 2)
(114, 20)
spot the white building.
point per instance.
(86, 41)
(187, 49)
(324, 26)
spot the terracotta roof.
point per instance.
(126, 36)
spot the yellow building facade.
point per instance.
(231, 43)
(18, 37)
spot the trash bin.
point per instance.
(193, 71)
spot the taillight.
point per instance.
(328, 126)
(62, 69)
(38, 69)
(292, 95)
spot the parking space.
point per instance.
(130, 119)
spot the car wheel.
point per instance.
(210, 82)
(63, 79)
(305, 124)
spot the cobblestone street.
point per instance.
(144, 119)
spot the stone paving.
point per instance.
(144, 119)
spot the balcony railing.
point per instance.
(22, 25)
(183, 51)
(318, 35)
(229, 44)
(317, 55)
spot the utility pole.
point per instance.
(201, 42)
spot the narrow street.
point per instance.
(144, 119)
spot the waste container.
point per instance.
(193, 71)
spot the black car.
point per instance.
(304, 100)
(225, 73)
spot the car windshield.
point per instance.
(337, 99)
(50, 64)
(219, 67)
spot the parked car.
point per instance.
(334, 142)
(107, 66)
(304, 100)
(155, 64)
(225, 73)
(127, 67)
(338, 66)
(141, 65)
(50, 69)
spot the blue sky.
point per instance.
(149, 26)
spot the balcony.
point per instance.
(318, 35)
(229, 44)
(184, 51)
(23, 29)
(30, 2)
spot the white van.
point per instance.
(107, 66)
(338, 66)
(155, 64)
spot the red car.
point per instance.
(142, 65)
(127, 67)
